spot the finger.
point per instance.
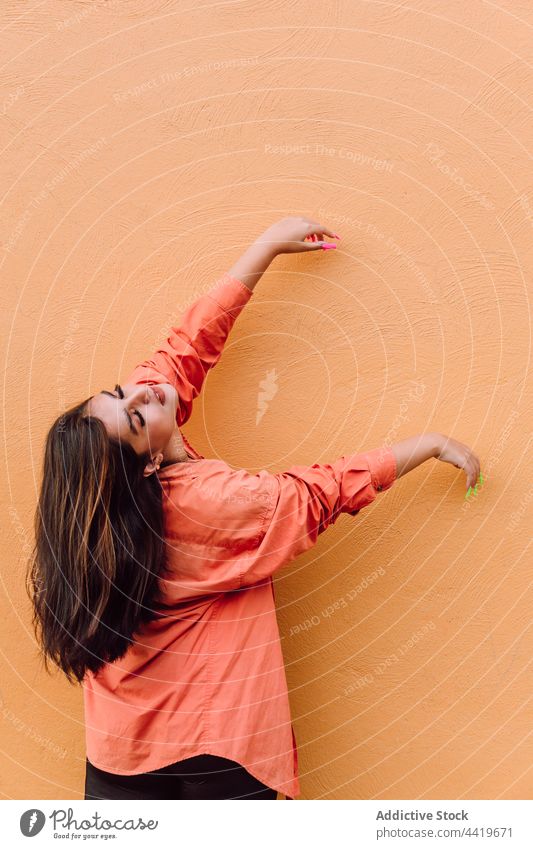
(310, 246)
(318, 246)
(320, 230)
(472, 475)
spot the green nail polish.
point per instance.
(478, 484)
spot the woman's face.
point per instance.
(133, 413)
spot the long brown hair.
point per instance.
(99, 546)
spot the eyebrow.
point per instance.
(128, 417)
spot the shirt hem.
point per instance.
(201, 750)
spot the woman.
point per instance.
(152, 573)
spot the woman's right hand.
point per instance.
(461, 456)
(290, 236)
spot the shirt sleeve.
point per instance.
(305, 500)
(195, 345)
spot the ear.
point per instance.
(152, 466)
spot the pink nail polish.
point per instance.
(335, 236)
(328, 246)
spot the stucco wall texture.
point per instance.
(145, 145)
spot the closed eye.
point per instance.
(120, 392)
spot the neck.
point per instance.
(175, 451)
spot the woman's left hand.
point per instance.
(295, 234)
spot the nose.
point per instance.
(140, 394)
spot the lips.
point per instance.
(159, 394)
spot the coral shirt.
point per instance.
(209, 676)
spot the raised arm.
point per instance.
(195, 345)
(305, 500)
(275, 517)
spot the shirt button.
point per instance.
(379, 487)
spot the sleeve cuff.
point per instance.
(230, 293)
(382, 467)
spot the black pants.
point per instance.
(200, 777)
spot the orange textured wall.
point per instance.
(145, 144)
